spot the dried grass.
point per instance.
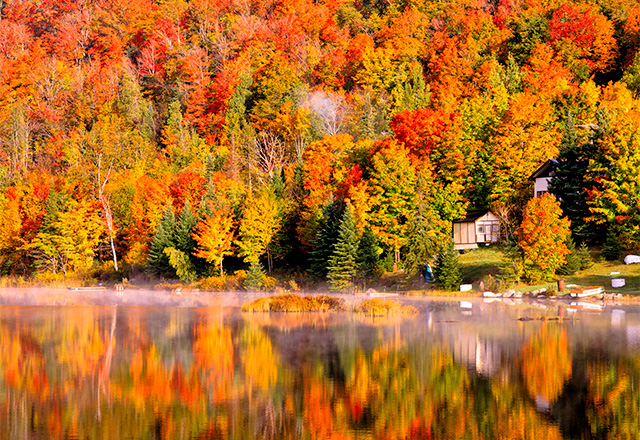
(295, 303)
(383, 307)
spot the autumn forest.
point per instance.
(336, 138)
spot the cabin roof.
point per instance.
(544, 170)
(471, 216)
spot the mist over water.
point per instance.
(488, 370)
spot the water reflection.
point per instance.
(131, 373)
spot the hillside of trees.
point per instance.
(332, 137)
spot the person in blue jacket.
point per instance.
(427, 273)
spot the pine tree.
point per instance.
(422, 233)
(255, 274)
(326, 239)
(568, 182)
(182, 236)
(158, 261)
(342, 265)
(367, 255)
(611, 247)
(585, 256)
(572, 264)
(447, 271)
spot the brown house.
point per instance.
(478, 227)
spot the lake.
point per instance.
(487, 370)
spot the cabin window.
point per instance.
(540, 193)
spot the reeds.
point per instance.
(290, 302)
(324, 303)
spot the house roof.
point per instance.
(545, 169)
(471, 216)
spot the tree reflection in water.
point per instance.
(212, 373)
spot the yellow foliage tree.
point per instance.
(258, 226)
(69, 243)
(214, 237)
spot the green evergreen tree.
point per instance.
(255, 274)
(158, 262)
(368, 255)
(573, 259)
(567, 182)
(585, 256)
(182, 236)
(446, 271)
(326, 239)
(422, 241)
(611, 248)
(342, 265)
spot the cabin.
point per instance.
(476, 228)
(541, 178)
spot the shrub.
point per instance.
(512, 265)
(292, 285)
(268, 283)
(213, 284)
(572, 264)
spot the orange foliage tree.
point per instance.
(542, 237)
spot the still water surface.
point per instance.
(194, 373)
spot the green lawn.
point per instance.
(600, 275)
(479, 264)
(483, 263)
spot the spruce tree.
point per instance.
(447, 271)
(585, 256)
(182, 236)
(255, 274)
(611, 247)
(567, 180)
(570, 176)
(367, 255)
(158, 261)
(572, 264)
(422, 234)
(342, 265)
(325, 239)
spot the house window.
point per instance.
(480, 229)
(540, 193)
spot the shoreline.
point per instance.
(145, 297)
